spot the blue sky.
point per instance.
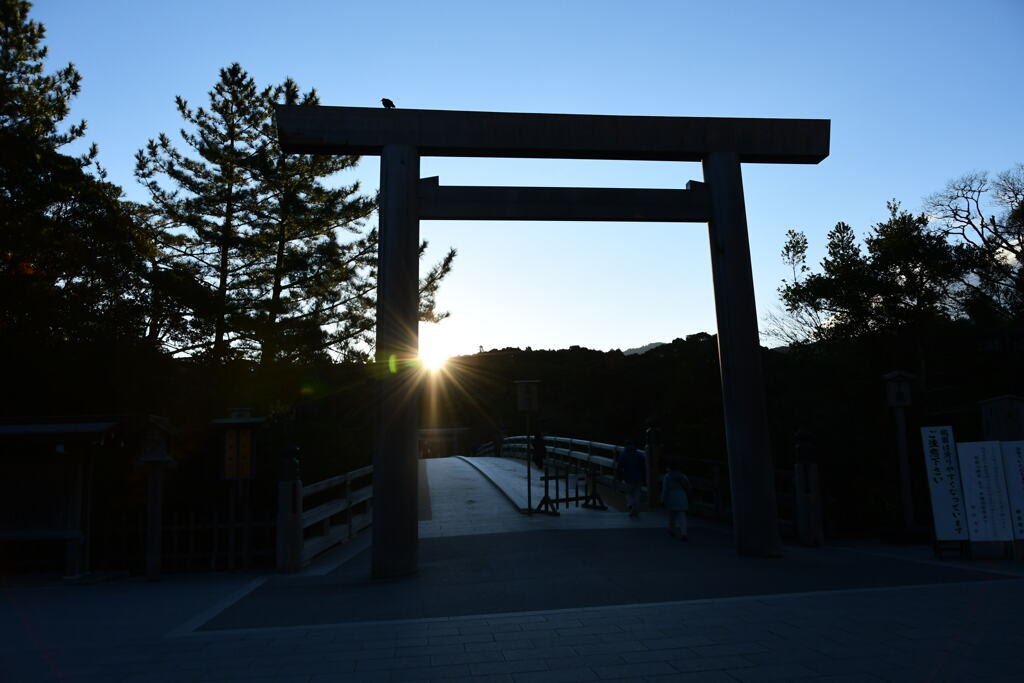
(918, 93)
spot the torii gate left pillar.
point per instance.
(395, 518)
(401, 136)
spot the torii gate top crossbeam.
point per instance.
(361, 130)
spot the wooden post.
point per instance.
(716, 484)
(73, 546)
(214, 536)
(807, 500)
(348, 509)
(192, 531)
(232, 518)
(755, 521)
(246, 485)
(289, 517)
(395, 468)
(87, 526)
(154, 519)
(906, 494)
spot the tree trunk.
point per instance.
(271, 345)
(153, 325)
(220, 328)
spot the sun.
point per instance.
(437, 345)
(433, 360)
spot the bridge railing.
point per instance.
(592, 462)
(709, 478)
(303, 532)
(710, 496)
(601, 455)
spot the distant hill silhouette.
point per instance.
(640, 350)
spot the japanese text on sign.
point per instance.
(944, 483)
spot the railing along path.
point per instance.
(305, 533)
(594, 463)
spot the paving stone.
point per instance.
(431, 673)
(489, 678)
(726, 649)
(555, 676)
(691, 664)
(392, 663)
(637, 632)
(772, 672)
(460, 639)
(573, 641)
(490, 628)
(467, 658)
(518, 666)
(616, 647)
(501, 645)
(520, 619)
(553, 624)
(676, 642)
(589, 630)
(584, 661)
(634, 669)
(539, 653)
(354, 677)
(697, 677)
(658, 655)
(359, 655)
(429, 650)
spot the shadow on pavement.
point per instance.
(558, 569)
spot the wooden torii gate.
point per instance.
(401, 136)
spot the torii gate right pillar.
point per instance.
(751, 472)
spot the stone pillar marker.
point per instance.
(751, 471)
(395, 520)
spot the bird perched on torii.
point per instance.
(388, 104)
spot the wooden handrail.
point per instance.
(294, 550)
(324, 485)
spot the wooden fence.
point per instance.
(204, 537)
(314, 518)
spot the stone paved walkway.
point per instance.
(961, 623)
(482, 496)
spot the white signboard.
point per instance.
(1013, 467)
(985, 499)
(943, 470)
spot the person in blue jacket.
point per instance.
(632, 470)
(675, 496)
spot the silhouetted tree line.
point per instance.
(242, 257)
(939, 294)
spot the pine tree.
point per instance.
(904, 282)
(71, 254)
(311, 291)
(206, 217)
(261, 234)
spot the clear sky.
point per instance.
(918, 92)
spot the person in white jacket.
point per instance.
(675, 489)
